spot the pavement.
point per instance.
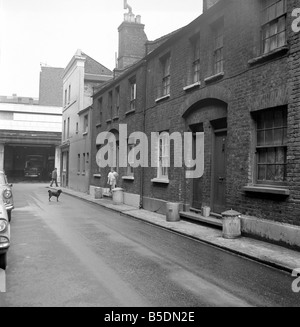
(269, 254)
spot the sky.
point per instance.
(48, 32)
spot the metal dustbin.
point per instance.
(231, 224)
(118, 195)
(98, 193)
(172, 213)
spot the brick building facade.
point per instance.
(231, 75)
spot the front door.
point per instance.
(219, 173)
(197, 182)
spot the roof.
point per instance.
(94, 67)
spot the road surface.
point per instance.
(74, 253)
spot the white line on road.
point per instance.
(2, 281)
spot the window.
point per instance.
(64, 133)
(166, 62)
(78, 164)
(130, 150)
(100, 108)
(273, 24)
(117, 108)
(132, 83)
(163, 156)
(77, 128)
(218, 47)
(83, 163)
(110, 104)
(86, 124)
(196, 58)
(68, 128)
(66, 94)
(64, 159)
(69, 96)
(271, 147)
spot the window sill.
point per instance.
(268, 56)
(85, 133)
(129, 178)
(108, 121)
(214, 78)
(97, 175)
(160, 180)
(162, 98)
(191, 86)
(99, 125)
(267, 190)
(129, 112)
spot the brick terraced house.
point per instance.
(233, 75)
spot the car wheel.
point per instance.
(9, 215)
(3, 261)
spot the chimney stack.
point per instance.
(132, 39)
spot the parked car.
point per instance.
(7, 195)
(4, 235)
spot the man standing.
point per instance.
(112, 179)
(54, 177)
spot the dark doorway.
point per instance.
(219, 172)
(197, 182)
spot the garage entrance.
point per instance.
(41, 158)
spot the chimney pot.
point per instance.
(138, 19)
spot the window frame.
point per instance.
(163, 155)
(166, 74)
(268, 23)
(100, 108)
(78, 163)
(218, 44)
(132, 93)
(130, 169)
(110, 104)
(83, 164)
(267, 147)
(117, 106)
(86, 124)
(195, 42)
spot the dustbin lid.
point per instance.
(230, 213)
(117, 189)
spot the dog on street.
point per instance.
(54, 193)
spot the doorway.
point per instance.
(197, 182)
(219, 172)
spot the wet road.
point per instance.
(73, 253)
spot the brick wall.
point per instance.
(51, 87)
(250, 83)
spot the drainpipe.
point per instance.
(144, 128)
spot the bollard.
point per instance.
(172, 213)
(231, 224)
(118, 195)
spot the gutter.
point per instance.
(144, 128)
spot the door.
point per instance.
(197, 182)
(219, 173)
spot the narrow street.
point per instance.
(73, 253)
